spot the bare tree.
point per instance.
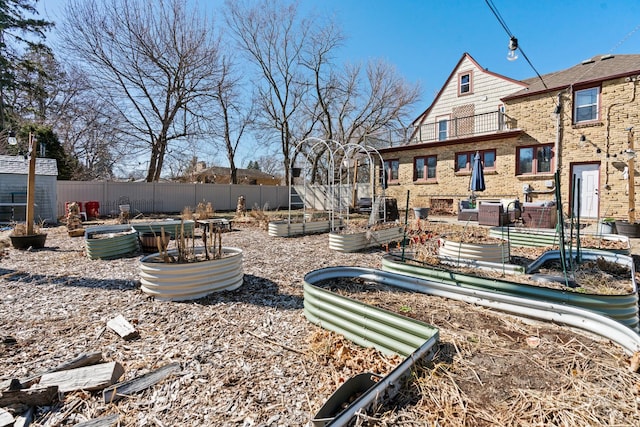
(301, 92)
(154, 62)
(232, 116)
(274, 39)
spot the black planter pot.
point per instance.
(35, 241)
(629, 229)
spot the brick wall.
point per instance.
(535, 116)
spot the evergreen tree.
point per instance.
(253, 165)
(17, 31)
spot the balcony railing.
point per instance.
(460, 127)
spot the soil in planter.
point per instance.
(489, 368)
(361, 226)
(593, 277)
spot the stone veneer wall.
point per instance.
(535, 116)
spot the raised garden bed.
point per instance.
(550, 285)
(110, 241)
(287, 229)
(353, 241)
(540, 237)
(190, 280)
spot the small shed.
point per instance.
(14, 171)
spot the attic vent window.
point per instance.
(605, 57)
(588, 61)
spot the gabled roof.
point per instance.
(17, 165)
(593, 70)
(453, 75)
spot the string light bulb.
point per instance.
(12, 140)
(513, 46)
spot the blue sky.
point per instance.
(424, 39)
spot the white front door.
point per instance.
(589, 176)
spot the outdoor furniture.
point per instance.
(492, 214)
(539, 214)
(466, 212)
(216, 224)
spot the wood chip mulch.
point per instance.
(250, 358)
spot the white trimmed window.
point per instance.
(464, 83)
(586, 103)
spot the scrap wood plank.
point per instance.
(84, 359)
(94, 377)
(126, 388)
(40, 396)
(6, 419)
(24, 419)
(106, 421)
(122, 327)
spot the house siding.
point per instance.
(535, 118)
(488, 89)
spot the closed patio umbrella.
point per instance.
(477, 175)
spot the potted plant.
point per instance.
(607, 226)
(22, 239)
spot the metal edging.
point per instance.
(622, 308)
(368, 326)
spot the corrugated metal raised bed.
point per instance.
(622, 308)
(565, 314)
(455, 252)
(110, 241)
(353, 242)
(174, 227)
(191, 280)
(539, 237)
(288, 229)
(369, 326)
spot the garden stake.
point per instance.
(406, 224)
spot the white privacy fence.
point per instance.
(170, 197)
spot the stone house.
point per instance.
(575, 121)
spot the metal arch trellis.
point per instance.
(330, 181)
(333, 147)
(349, 149)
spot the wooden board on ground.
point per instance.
(122, 327)
(126, 388)
(40, 396)
(106, 421)
(84, 359)
(95, 377)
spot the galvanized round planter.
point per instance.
(110, 241)
(288, 229)
(175, 227)
(353, 242)
(452, 251)
(541, 237)
(622, 308)
(193, 280)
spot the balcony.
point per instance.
(446, 130)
